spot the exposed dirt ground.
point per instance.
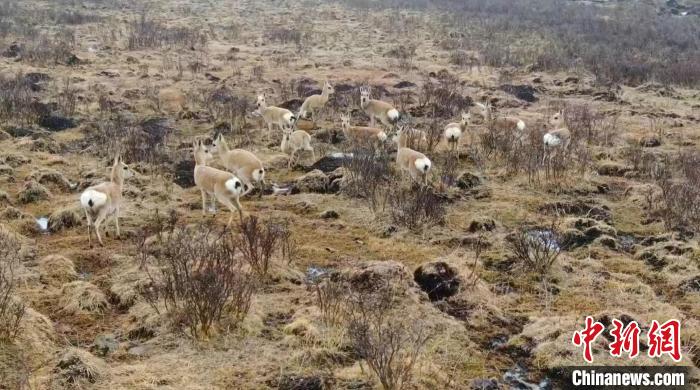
(618, 259)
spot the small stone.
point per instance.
(330, 214)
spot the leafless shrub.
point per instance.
(257, 72)
(404, 55)
(463, 59)
(390, 345)
(48, 50)
(145, 33)
(331, 300)
(368, 176)
(681, 194)
(199, 278)
(284, 35)
(442, 98)
(11, 310)
(225, 106)
(17, 100)
(538, 249)
(416, 207)
(259, 241)
(67, 98)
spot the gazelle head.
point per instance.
(202, 153)
(485, 109)
(120, 169)
(218, 144)
(261, 102)
(364, 95)
(466, 117)
(345, 120)
(557, 119)
(328, 88)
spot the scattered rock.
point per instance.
(33, 192)
(105, 344)
(650, 141)
(613, 169)
(65, 219)
(184, 173)
(691, 285)
(484, 384)
(438, 279)
(315, 181)
(292, 105)
(14, 50)
(374, 275)
(54, 122)
(404, 84)
(330, 214)
(522, 92)
(468, 181)
(331, 162)
(482, 224)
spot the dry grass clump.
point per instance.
(259, 241)
(416, 207)
(33, 192)
(200, 278)
(681, 192)
(65, 218)
(79, 297)
(57, 269)
(79, 367)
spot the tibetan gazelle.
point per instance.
(244, 164)
(455, 130)
(105, 199)
(413, 162)
(294, 142)
(221, 185)
(315, 103)
(377, 109)
(505, 122)
(556, 141)
(361, 135)
(274, 115)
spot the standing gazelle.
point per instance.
(506, 122)
(377, 109)
(221, 185)
(105, 199)
(315, 103)
(274, 115)
(413, 162)
(294, 142)
(557, 140)
(361, 135)
(455, 130)
(244, 164)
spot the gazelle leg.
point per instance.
(204, 204)
(98, 222)
(89, 222)
(231, 206)
(116, 222)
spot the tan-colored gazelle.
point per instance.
(105, 199)
(242, 163)
(221, 185)
(315, 103)
(295, 141)
(274, 115)
(502, 122)
(454, 131)
(413, 162)
(377, 109)
(556, 141)
(361, 135)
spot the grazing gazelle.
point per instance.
(556, 141)
(359, 134)
(244, 164)
(315, 103)
(105, 199)
(377, 109)
(505, 122)
(413, 162)
(455, 130)
(221, 185)
(295, 141)
(274, 115)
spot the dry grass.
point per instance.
(81, 297)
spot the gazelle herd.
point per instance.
(244, 170)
